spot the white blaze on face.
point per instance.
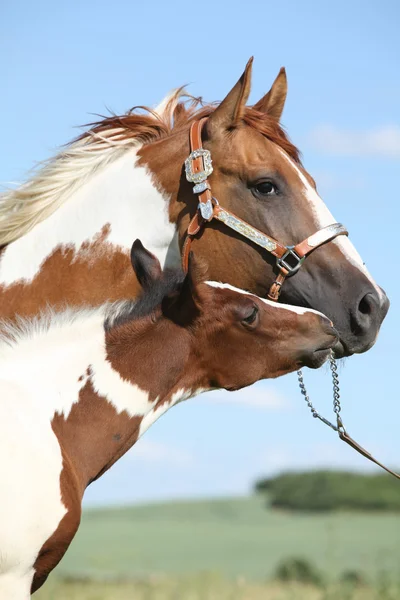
(323, 217)
(295, 309)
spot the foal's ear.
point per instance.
(230, 112)
(146, 266)
(274, 101)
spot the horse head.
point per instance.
(257, 175)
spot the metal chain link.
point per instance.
(336, 397)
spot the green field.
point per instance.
(238, 538)
(209, 588)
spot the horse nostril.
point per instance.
(366, 305)
(367, 313)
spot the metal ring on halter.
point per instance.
(282, 264)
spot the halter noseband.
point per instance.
(198, 167)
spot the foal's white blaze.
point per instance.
(324, 217)
(296, 309)
(121, 194)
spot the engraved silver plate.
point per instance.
(206, 210)
(207, 163)
(200, 187)
(246, 230)
(326, 234)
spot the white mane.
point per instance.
(60, 176)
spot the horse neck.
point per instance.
(79, 255)
(140, 371)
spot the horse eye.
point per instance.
(266, 188)
(249, 320)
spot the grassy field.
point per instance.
(233, 538)
(210, 588)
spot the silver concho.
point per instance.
(206, 210)
(207, 162)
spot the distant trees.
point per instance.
(332, 490)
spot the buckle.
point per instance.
(290, 261)
(207, 166)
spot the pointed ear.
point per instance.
(274, 101)
(197, 271)
(185, 307)
(146, 266)
(196, 274)
(230, 112)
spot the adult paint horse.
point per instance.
(79, 388)
(67, 232)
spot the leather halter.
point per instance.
(289, 259)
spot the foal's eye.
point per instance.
(251, 317)
(265, 188)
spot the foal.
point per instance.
(77, 389)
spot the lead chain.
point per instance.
(336, 397)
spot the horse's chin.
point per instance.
(340, 350)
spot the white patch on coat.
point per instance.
(41, 364)
(178, 396)
(31, 505)
(122, 195)
(324, 217)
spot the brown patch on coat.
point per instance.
(97, 273)
(92, 438)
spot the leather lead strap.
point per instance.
(345, 437)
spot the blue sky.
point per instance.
(59, 62)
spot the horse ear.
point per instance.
(230, 112)
(274, 101)
(184, 308)
(146, 266)
(197, 271)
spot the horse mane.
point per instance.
(104, 142)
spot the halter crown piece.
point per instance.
(198, 167)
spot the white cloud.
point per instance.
(156, 452)
(260, 396)
(380, 142)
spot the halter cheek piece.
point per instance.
(198, 167)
